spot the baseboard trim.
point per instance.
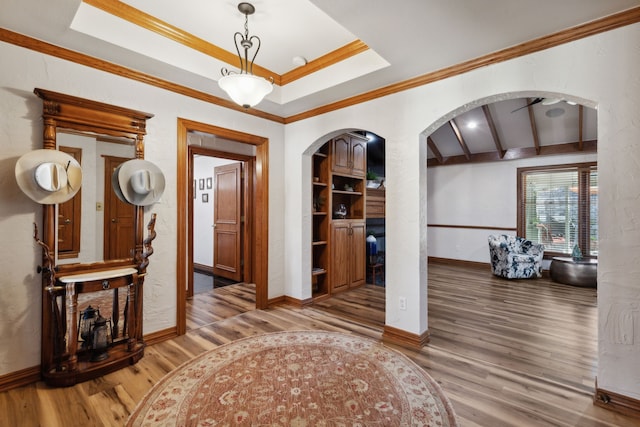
(287, 300)
(458, 262)
(160, 336)
(616, 402)
(20, 378)
(204, 269)
(405, 339)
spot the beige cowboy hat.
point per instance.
(138, 182)
(48, 176)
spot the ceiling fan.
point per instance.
(544, 101)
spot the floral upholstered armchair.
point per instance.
(514, 257)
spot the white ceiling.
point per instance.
(406, 38)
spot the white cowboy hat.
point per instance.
(138, 182)
(48, 176)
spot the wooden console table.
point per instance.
(576, 272)
(66, 362)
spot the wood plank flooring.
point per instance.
(506, 353)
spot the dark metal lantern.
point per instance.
(100, 339)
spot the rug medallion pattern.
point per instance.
(303, 378)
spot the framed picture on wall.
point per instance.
(205, 198)
(194, 189)
(201, 184)
(209, 183)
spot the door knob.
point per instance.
(67, 221)
(114, 220)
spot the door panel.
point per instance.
(70, 216)
(119, 217)
(227, 225)
(340, 256)
(358, 157)
(340, 155)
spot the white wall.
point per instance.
(604, 70)
(601, 71)
(485, 196)
(21, 131)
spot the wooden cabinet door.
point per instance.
(358, 157)
(357, 253)
(340, 256)
(341, 155)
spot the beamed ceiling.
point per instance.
(355, 51)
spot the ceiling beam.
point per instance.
(493, 129)
(534, 128)
(463, 144)
(434, 150)
(519, 153)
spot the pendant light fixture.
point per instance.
(243, 87)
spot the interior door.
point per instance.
(227, 221)
(70, 216)
(119, 217)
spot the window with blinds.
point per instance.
(558, 207)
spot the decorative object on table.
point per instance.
(138, 182)
(515, 257)
(244, 88)
(297, 378)
(340, 212)
(87, 318)
(48, 176)
(372, 248)
(100, 339)
(576, 253)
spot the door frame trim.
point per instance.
(260, 214)
(248, 198)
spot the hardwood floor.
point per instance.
(506, 353)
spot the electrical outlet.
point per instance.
(403, 303)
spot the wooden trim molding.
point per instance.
(331, 58)
(405, 339)
(204, 269)
(608, 23)
(19, 378)
(160, 336)
(287, 300)
(616, 402)
(458, 262)
(473, 227)
(27, 42)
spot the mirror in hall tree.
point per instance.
(95, 225)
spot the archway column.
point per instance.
(406, 243)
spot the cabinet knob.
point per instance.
(67, 221)
(105, 284)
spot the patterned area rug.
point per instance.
(302, 378)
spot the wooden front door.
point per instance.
(227, 221)
(119, 217)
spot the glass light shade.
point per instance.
(245, 89)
